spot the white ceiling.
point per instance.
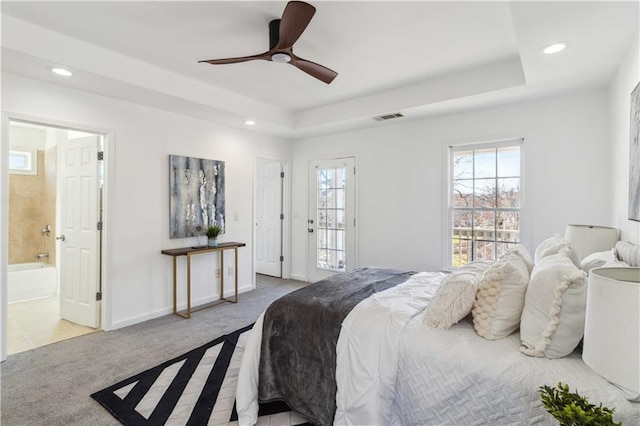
(420, 58)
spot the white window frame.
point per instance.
(32, 163)
(448, 214)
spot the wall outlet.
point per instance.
(230, 270)
(218, 273)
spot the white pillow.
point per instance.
(500, 298)
(552, 321)
(628, 253)
(521, 251)
(455, 295)
(554, 245)
(615, 263)
(596, 260)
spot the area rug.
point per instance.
(197, 388)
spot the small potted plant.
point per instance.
(572, 409)
(212, 233)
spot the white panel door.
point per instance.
(78, 171)
(268, 219)
(331, 223)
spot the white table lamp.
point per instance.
(611, 345)
(587, 239)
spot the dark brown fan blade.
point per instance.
(264, 56)
(323, 74)
(295, 18)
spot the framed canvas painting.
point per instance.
(196, 195)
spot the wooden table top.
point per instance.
(183, 251)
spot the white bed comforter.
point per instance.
(367, 347)
(393, 370)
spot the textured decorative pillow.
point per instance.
(500, 298)
(554, 245)
(552, 321)
(628, 253)
(454, 298)
(521, 251)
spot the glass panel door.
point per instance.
(332, 222)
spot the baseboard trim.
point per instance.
(298, 277)
(169, 310)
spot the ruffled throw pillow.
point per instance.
(552, 321)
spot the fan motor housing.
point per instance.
(274, 33)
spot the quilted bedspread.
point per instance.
(392, 369)
(450, 377)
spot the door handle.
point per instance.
(310, 229)
(61, 238)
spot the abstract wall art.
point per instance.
(197, 195)
(634, 157)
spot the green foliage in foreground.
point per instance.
(571, 409)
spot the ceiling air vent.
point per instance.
(388, 116)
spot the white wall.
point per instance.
(619, 97)
(401, 176)
(139, 278)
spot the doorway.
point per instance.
(331, 222)
(55, 181)
(269, 217)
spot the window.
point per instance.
(485, 197)
(24, 161)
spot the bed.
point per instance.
(372, 360)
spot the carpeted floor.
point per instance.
(51, 385)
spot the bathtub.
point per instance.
(31, 281)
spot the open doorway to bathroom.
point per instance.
(54, 244)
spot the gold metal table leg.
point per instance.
(175, 284)
(221, 274)
(236, 273)
(188, 314)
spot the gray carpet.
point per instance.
(51, 385)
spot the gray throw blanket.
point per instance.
(299, 338)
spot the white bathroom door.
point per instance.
(78, 234)
(268, 218)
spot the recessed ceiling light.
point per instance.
(555, 47)
(61, 71)
(250, 123)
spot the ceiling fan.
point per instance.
(283, 33)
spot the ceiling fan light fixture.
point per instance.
(280, 57)
(555, 47)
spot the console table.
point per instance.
(191, 251)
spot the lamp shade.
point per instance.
(587, 239)
(611, 345)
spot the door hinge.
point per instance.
(100, 155)
(282, 174)
(98, 296)
(281, 258)
(354, 222)
(99, 226)
(354, 170)
(281, 216)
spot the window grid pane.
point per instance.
(331, 238)
(485, 202)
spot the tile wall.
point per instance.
(32, 206)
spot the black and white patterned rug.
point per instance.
(197, 388)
